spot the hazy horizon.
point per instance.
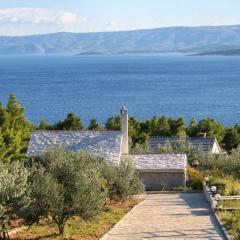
(28, 17)
(140, 29)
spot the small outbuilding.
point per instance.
(161, 171)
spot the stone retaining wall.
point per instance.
(212, 202)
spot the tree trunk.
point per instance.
(61, 228)
(4, 235)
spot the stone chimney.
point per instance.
(124, 130)
(202, 134)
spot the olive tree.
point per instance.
(124, 181)
(13, 193)
(65, 184)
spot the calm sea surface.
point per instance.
(97, 86)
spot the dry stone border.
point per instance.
(212, 202)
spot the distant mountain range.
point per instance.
(223, 40)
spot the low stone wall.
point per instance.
(213, 203)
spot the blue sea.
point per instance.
(148, 84)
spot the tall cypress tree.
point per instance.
(43, 124)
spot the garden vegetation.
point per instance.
(60, 185)
(15, 129)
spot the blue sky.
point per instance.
(21, 17)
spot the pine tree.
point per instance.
(94, 125)
(231, 139)
(15, 130)
(154, 124)
(177, 127)
(137, 135)
(71, 122)
(163, 126)
(192, 128)
(2, 145)
(113, 123)
(211, 128)
(180, 130)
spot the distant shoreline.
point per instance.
(219, 53)
(206, 40)
(214, 53)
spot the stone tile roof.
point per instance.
(106, 144)
(204, 144)
(164, 162)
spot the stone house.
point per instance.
(205, 144)
(156, 170)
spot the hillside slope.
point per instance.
(172, 39)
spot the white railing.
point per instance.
(230, 198)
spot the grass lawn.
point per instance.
(231, 221)
(76, 228)
(231, 186)
(230, 203)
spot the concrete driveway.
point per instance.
(168, 216)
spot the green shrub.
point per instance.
(223, 164)
(219, 183)
(231, 221)
(195, 179)
(234, 190)
(225, 185)
(124, 181)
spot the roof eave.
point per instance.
(161, 170)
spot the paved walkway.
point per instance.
(168, 216)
